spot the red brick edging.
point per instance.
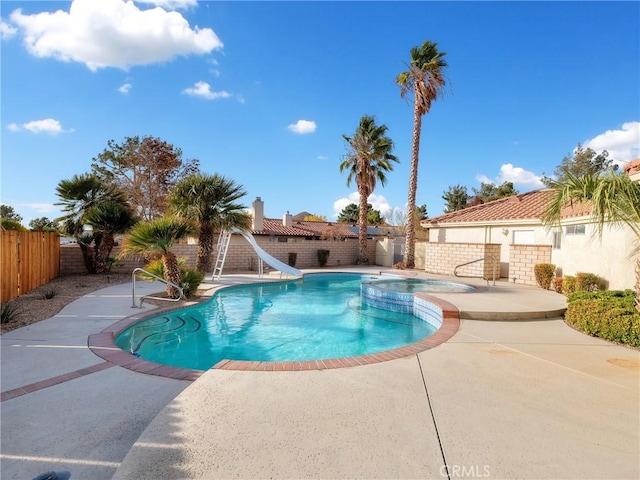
(102, 344)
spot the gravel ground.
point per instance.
(34, 306)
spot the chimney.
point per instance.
(287, 220)
(258, 215)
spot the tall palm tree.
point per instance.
(425, 79)
(159, 236)
(368, 160)
(615, 201)
(78, 196)
(108, 220)
(211, 201)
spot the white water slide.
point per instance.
(264, 256)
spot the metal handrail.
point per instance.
(144, 297)
(489, 257)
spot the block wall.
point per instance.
(523, 258)
(240, 256)
(442, 258)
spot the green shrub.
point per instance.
(590, 282)
(191, 278)
(557, 284)
(568, 284)
(544, 273)
(323, 257)
(608, 315)
(9, 312)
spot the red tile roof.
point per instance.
(273, 226)
(525, 206)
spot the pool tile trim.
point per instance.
(103, 345)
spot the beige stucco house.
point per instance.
(511, 230)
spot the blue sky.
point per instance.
(262, 92)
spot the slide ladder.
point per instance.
(221, 248)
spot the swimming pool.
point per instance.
(317, 317)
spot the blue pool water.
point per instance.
(317, 317)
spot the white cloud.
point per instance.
(203, 89)
(303, 127)
(516, 175)
(125, 88)
(7, 31)
(171, 4)
(623, 144)
(378, 202)
(112, 33)
(41, 207)
(322, 157)
(47, 125)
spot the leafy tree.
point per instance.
(581, 162)
(489, 192)
(456, 198)
(11, 224)
(368, 159)
(79, 196)
(144, 169)
(159, 236)
(421, 212)
(7, 211)
(425, 79)
(315, 218)
(615, 200)
(210, 201)
(351, 214)
(44, 224)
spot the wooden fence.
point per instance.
(27, 260)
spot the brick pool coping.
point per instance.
(102, 344)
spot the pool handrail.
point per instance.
(144, 297)
(489, 257)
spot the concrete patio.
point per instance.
(524, 397)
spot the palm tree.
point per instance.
(368, 160)
(78, 196)
(425, 79)
(615, 201)
(210, 200)
(108, 220)
(159, 236)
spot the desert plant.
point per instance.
(590, 282)
(48, 292)
(9, 312)
(544, 273)
(323, 257)
(293, 256)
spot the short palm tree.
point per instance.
(108, 220)
(615, 201)
(211, 201)
(425, 79)
(159, 236)
(78, 196)
(368, 160)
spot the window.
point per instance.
(576, 229)
(556, 240)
